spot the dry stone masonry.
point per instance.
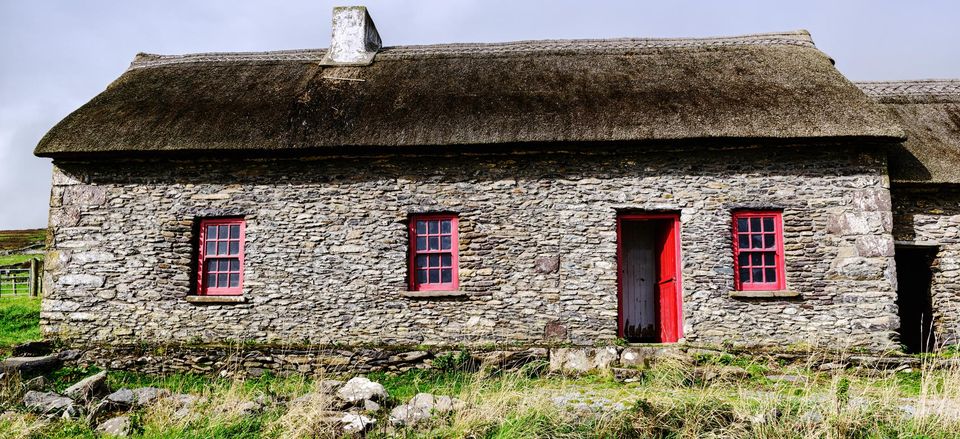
(326, 243)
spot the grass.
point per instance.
(18, 258)
(671, 400)
(19, 320)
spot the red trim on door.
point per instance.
(671, 331)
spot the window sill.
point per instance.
(765, 294)
(216, 299)
(433, 294)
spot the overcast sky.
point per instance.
(56, 55)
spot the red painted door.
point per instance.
(667, 283)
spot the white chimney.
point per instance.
(355, 40)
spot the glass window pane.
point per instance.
(768, 258)
(223, 233)
(768, 224)
(771, 275)
(756, 274)
(211, 232)
(744, 275)
(434, 243)
(445, 243)
(221, 280)
(234, 247)
(755, 224)
(211, 265)
(434, 260)
(756, 241)
(433, 227)
(446, 260)
(235, 280)
(742, 225)
(421, 276)
(234, 265)
(211, 248)
(421, 227)
(235, 231)
(744, 241)
(211, 281)
(446, 275)
(756, 259)
(744, 259)
(769, 241)
(445, 226)
(224, 265)
(421, 261)
(421, 243)
(434, 276)
(222, 247)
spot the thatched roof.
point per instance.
(769, 86)
(929, 112)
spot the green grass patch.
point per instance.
(19, 320)
(18, 258)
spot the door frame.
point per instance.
(637, 217)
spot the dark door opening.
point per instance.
(914, 275)
(648, 277)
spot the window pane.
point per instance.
(421, 276)
(421, 243)
(771, 275)
(769, 241)
(211, 281)
(434, 243)
(211, 265)
(235, 232)
(445, 226)
(234, 247)
(768, 258)
(234, 265)
(221, 280)
(744, 241)
(743, 259)
(434, 260)
(235, 280)
(434, 276)
(446, 275)
(744, 275)
(768, 224)
(445, 243)
(222, 247)
(224, 265)
(755, 224)
(211, 248)
(756, 259)
(222, 233)
(421, 261)
(211, 232)
(446, 259)
(742, 225)
(756, 274)
(756, 241)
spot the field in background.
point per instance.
(15, 244)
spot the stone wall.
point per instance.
(326, 246)
(930, 215)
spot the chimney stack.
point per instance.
(354, 40)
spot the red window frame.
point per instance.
(227, 250)
(755, 258)
(427, 261)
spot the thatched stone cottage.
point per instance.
(723, 190)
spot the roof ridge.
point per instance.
(911, 88)
(794, 38)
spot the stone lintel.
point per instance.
(433, 294)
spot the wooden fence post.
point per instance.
(33, 277)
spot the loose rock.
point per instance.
(118, 427)
(30, 364)
(358, 389)
(354, 423)
(89, 387)
(47, 402)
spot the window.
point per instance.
(758, 251)
(433, 253)
(221, 256)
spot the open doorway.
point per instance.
(649, 277)
(914, 275)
